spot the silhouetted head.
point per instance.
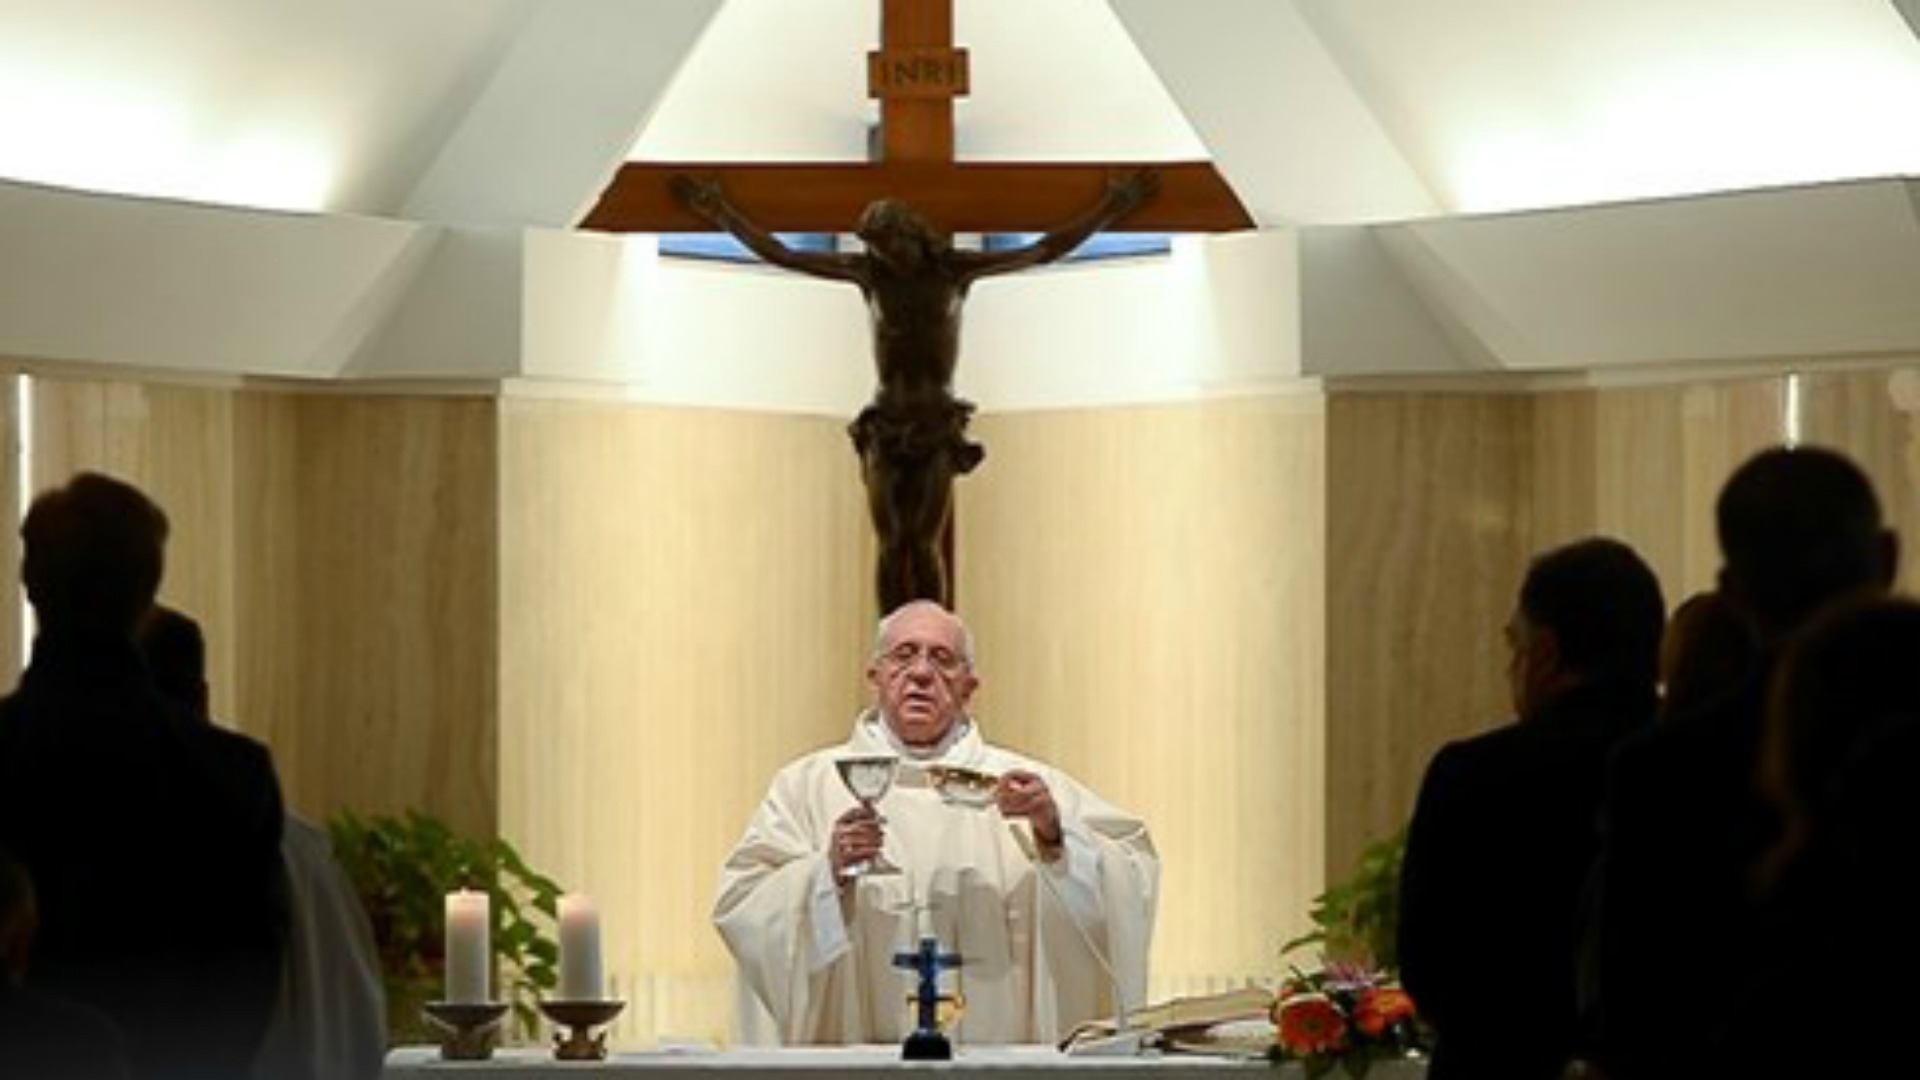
(1852, 671)
(19, 919)
(1706, 651)
(176, 655)
(896, 234)
(1587, 612)
(94, 554)
(1799, 527)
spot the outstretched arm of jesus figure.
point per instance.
(1124, 194)
(708, 200)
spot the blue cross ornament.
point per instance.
(927, 1043)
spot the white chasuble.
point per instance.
(1036, 938)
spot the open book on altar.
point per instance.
(1207, 1023)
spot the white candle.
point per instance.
(469, 953)
(580, 977)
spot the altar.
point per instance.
(806, 1063)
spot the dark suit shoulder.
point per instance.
(1710, 748)
(1577, 737)
(245, 756)
(244, 765)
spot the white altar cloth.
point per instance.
(811, 1063)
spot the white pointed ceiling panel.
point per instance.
(1281, 119)
(1317, 111)
(769, 80)
(544, 137)
(1817, 272)
(1062, 80)
(322, 105)
(1051, 80)
(1520, 104)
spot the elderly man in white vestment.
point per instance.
(1047, 892)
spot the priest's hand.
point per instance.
(857, 837)
(1022, 794)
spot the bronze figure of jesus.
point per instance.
(912, 438)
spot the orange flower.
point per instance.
(1380, 1008)
(1310, 1024)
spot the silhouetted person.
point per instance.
(1503, 831)
(1855, 670)
(1841, 750)
(331, 1019)
(912, 439)
(1675, 942)
(43, 1037)
(176, 654)
(1707, 652)
(153, 839)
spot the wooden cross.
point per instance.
(916, 75)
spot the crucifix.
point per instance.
(927, 1042)
(911, 439)
(916, 164)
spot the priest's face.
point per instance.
(921, 676)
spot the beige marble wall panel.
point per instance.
(605, 626)
(1563, 477)
(1610, 463)
(1428, 525)
(338, 554)
(1872, 416)
(1642, 464)
(1645, 465)
(12, 597)
(176, 444)
(1146, 591)
(685, 606)
(1640, 496)
(1724, 423)
(270, 673)
(390, 616)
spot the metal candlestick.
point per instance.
(470, 1027)
(579, 1018)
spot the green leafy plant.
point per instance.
(1357, 920)
(1350, 1011)
(402, 867)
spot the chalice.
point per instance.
(869, 778)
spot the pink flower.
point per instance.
(1310, 1023)
(1345, 976)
